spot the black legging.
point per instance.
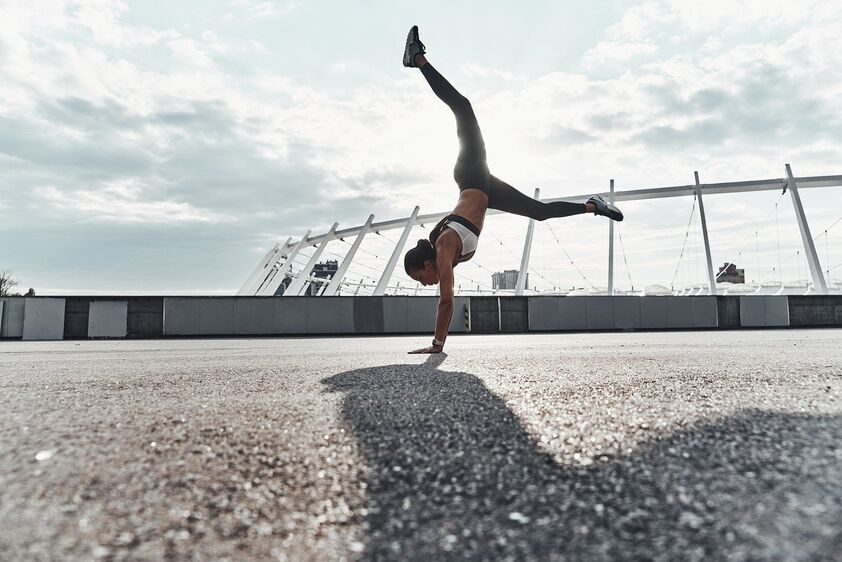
(471, 170)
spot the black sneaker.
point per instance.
(414, 46)
(605, 209)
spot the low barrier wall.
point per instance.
(621, 313)
(54, 318)
(241, 316)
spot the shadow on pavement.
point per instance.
(455, 475)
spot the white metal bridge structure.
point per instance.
(279, 262)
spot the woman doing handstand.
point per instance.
(454, 239)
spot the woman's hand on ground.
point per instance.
(431, 349)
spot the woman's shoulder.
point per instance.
(448, 243)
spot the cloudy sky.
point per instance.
(152, 147)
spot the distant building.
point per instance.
(506, 280)
(731, 274)
(324, 270)
(283, 286)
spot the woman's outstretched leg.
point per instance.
(504, 197)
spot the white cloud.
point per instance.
(617, 51)
(653, 23)
(258, 47)
(122, 202)
(264, 9)
(190, 51)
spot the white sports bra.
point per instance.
(466, 230)
(470, 241)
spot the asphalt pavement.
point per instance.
(658, 446)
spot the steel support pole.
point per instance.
(819, 285)
(523, 273)
(336, 282)
(271, 284)
(380, 289)
(711, 278)
(261, 269)
(298, 285)
(611, 244)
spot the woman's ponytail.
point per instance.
(415, 258)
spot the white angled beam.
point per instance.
(261, 266)
(271, 269)
(527, 249)
(611, 245)
(298, 285)
(390, 267)
(322, 288)
(819, 285)
(711, 278)
(261, 271)
(271, 285)
(707, 189)
(336, 282)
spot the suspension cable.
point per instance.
(792, 255)
(684, 243)
(750, 240)
(355, 262)
(504, 246)
(626, 261)
(361, 248)
(573, 263)
(530, 269)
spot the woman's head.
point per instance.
(420, 263)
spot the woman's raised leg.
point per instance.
(471, 170)
(471, 143)
(504, 197)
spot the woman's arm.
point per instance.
(444, 313)
(444, 265)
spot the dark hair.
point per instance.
(415, 258)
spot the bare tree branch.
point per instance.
(6, 283)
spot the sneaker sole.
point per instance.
(409, 40)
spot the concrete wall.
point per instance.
(142, 317)
(113, 317)
(145, 317)
(108, 319)
(514, 315)
(621, 313)
(728, 309)
(43, 319)
(485, 315)
(76, 317)
(815, 310)
(764, 311)
(241, 316)
(11, 325)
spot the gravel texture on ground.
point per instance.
(657, 446)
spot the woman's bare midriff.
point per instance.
(472, 205)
